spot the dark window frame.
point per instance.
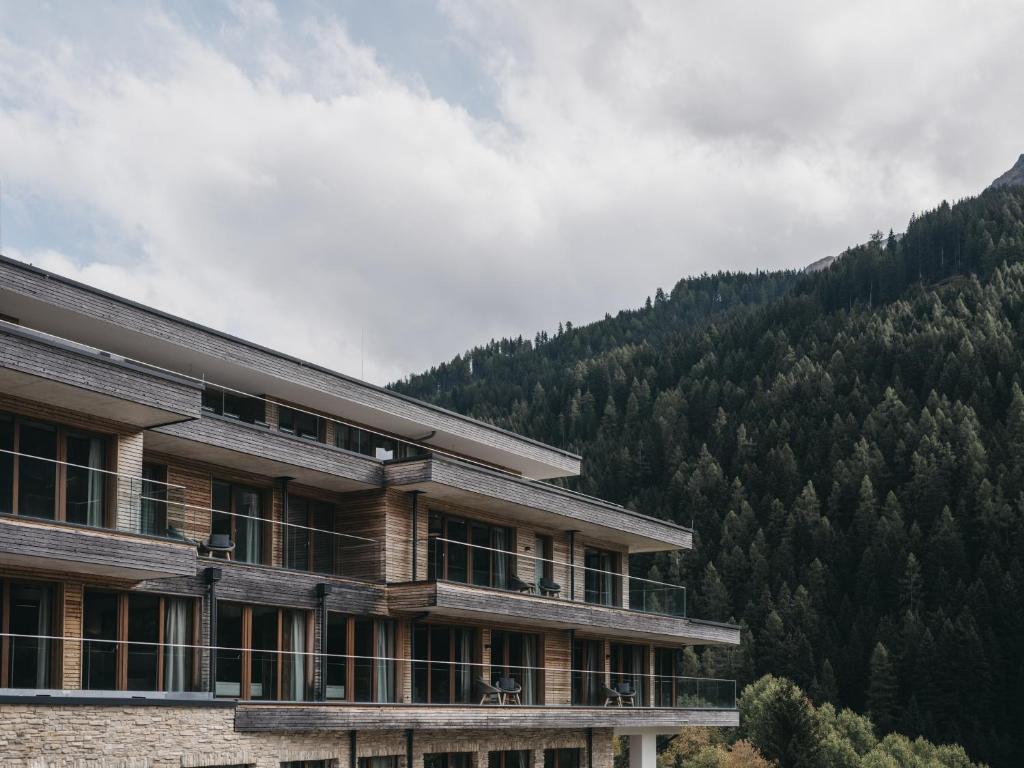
(122, 644)
(429, 662)
(601, 595)
(348, 653)
(503, 664)
(439, 553)
(56, 647)
(265, 555)
(60, 472)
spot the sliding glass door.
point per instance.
(28, 646)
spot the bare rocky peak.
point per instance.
(1013, 177)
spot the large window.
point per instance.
(602, 583)
(139, 642)
(443, 666)
(153, 509)
(263, 652)
(562, 758)
(511, 758)
(59, 477)
(359, 660)
(371, 444)
(629, 667)
(239, 515)
(543, 567)
(487, 563)
(587, 672)
(27, 620)
(301, 424)
(234, 405)
(517, 655)
(306, 549)
(446, 760)
(668, 671)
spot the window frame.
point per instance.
(56, 620)
(503, 666)
(266, 546)
(313, 506)
(428, 661)
(349, 655)
(122, 642)
(245, 684)
(60, 472)
(442, 555)
(617, 657)
(615, 569)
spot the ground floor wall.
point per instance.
(108, 736)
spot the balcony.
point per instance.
(62, 516)
(46, 369)
(256, 449)
(655, 611)
(480, 487)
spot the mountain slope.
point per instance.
(849, 445)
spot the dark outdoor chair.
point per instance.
(548, 588)
(489, 694)
(520, 585)
(510, 690)
(612, 698)
(627, 692)
(219, 544)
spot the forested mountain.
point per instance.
(849, 446)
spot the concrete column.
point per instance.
(643, 751)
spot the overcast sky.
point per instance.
(427, 176)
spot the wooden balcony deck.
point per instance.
(278, 717)
(39, 544)
(448, 599)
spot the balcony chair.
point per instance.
(489, 693)
(218, 545)
(612, 698)
(510, 690)
(627, 693)
(522, 586)
(548, 588)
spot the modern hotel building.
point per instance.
(214, 554)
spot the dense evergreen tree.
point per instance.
(848, 445)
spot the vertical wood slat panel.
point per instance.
(72, 622)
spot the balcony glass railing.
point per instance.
(47, 489)
(478, 565)
(362, 679)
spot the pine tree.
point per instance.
(883, 690)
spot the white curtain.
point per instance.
(464, 684)
(385, 664)
(295, 644)
(94, 489)
(43, 641)
(176, 636)
(500, 540)
(249, 527)
(529, 672)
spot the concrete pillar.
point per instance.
(643, 751)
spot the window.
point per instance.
(561, 758)
(668, 665)
(446, 760)
(139, 642)
(385, 761)
(444, 663)
(309, 764)
(629, 665)
(543, 568)
(239, 515)
(234, 405)
(311, 550)
(359, 659)
(263, 652)
(59, 476)
(371, 444)
(153, 509)
(602, 583)
(517, 655)
(27, 619)
(488, 563)
(512, 758)
(587, 672)
(301, 423)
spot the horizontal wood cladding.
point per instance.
(284, 451)
(256, 584)
(28, 287)
(34, 366)
(462, 600)
(301, 717)
(442, 471)
(48, 546)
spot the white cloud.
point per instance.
(278, 181)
